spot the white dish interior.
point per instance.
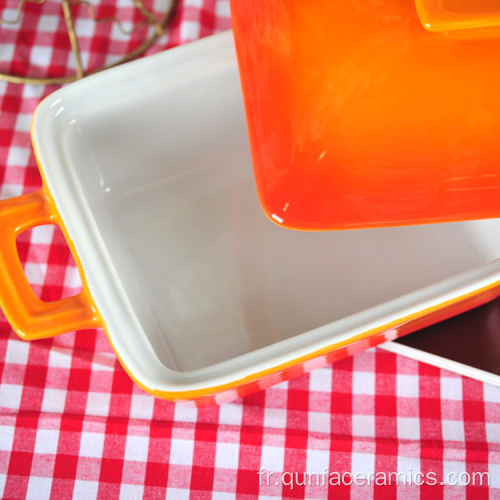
(150, 169)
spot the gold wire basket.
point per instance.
(157, 24)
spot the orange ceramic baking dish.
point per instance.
(147, 170)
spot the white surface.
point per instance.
(440, 362)
(149, 166)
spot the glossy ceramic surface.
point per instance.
(358, 116)
(147, 170)
(445, 16)
(28, 315)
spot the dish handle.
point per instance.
(29, 316)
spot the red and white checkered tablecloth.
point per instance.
(73, 425)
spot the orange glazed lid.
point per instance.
(372, 114)
(453, 15)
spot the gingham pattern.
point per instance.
(73, 425)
